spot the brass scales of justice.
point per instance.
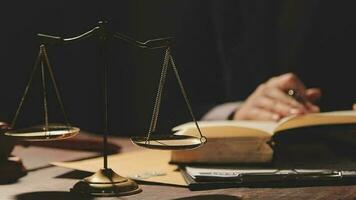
(105, 182)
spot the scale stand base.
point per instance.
(106, 183)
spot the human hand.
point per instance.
(270, 101)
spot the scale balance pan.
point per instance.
(169, 142)
(44, 133)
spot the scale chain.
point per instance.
(54, 82)
(169, 58)
(42, 60)
(161, 84)
(34, 69)
(44, 90)
(184, 93)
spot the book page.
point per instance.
(316, 119)
(217, 129)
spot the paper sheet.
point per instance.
(144, 165)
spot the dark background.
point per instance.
(134, 73)
(223, 49)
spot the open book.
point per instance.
(248, 141)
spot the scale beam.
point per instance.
(101, 32)
(161, 142)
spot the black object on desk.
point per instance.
(266, 178)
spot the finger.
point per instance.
(279, 95)
(288, 81)
(354, 106)
(313, 94)
(261, 114)
(277, 107)
(312, 107)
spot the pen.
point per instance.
(296, 95)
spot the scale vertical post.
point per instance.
(103, 37)
(106, 182)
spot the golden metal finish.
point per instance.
(168, 142)
(106, 182)
(44, 133)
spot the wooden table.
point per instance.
(50, 183)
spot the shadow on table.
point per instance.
(52, 195)
(211, 197)
(75, 174)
